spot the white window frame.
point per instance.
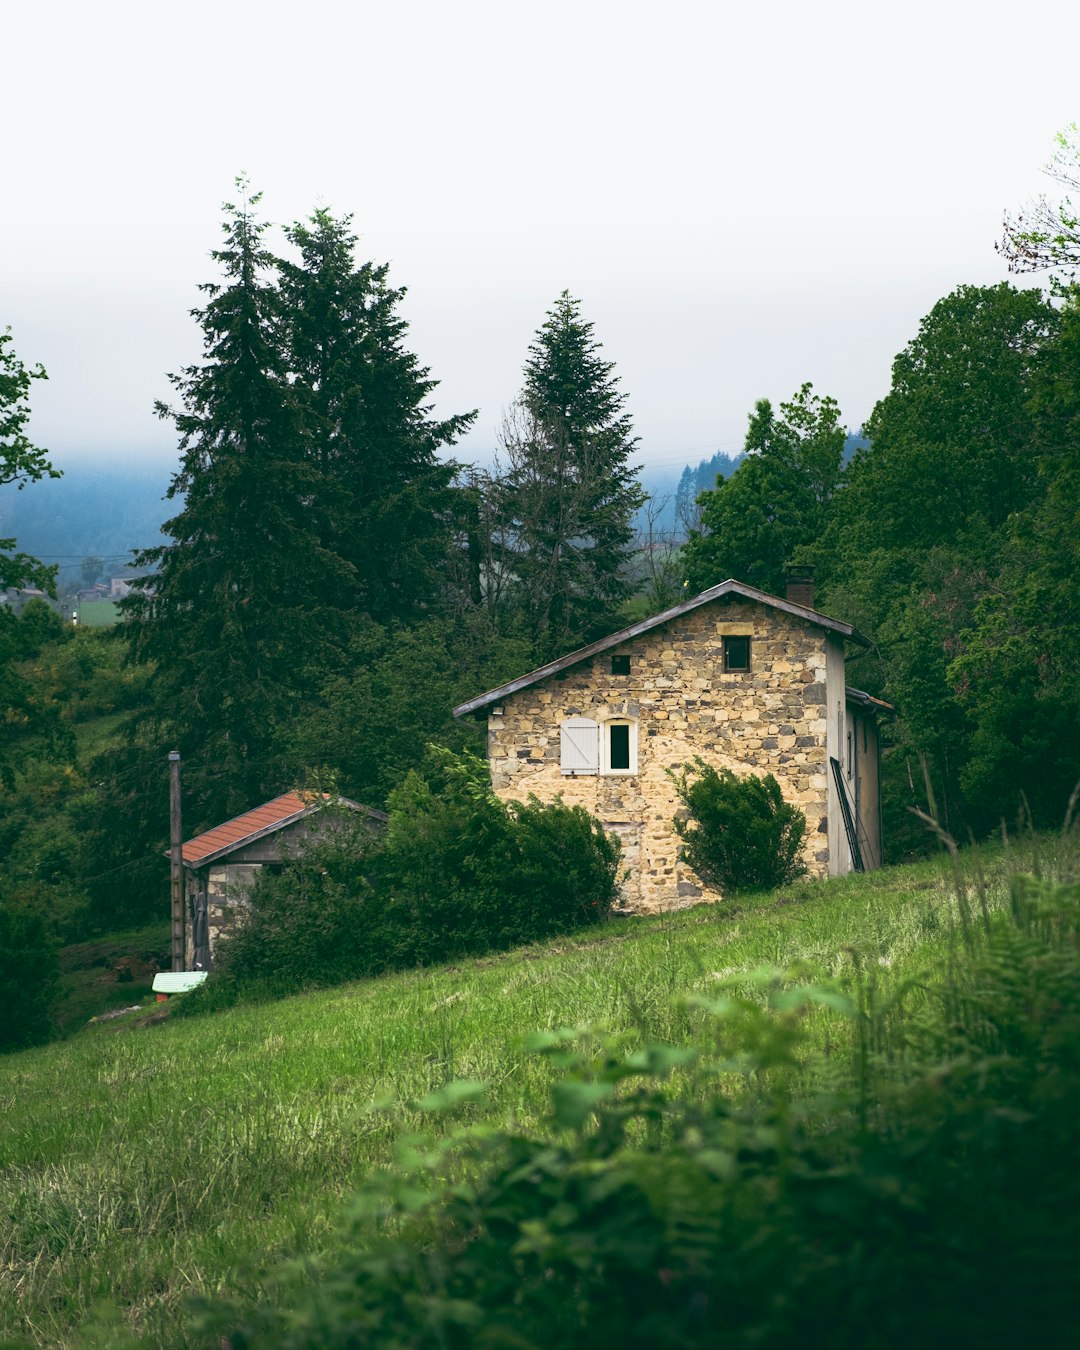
(605, 747)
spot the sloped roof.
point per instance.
(729, 587)
(266, 819)
(877, 705)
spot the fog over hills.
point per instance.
(108, 508)
(105, 509)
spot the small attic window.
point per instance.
(620, 665)
(736, 654)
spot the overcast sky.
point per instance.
(744, 196)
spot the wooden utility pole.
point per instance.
(177, 880)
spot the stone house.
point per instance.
(222, 865)
(745, 680)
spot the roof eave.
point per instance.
(255, 835)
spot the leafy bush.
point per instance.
(458, 873)
(717, 1195)
(465, 872)
(742, 836)
(314, 923)
(28, 977)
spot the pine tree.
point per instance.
(234, 618)
(570, 493)
(383, 497)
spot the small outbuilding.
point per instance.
(222, 865)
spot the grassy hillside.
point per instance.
(100, 614)
(146, 1159)
(109, 972)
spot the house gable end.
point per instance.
(727, 589)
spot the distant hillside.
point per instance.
(103, 510)
(109, 509)
(679, 494)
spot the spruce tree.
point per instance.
(570, 492)
(234, 619)
(383, 498)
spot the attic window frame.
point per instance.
(620, 665)
(730, 669)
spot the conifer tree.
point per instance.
(382, 499)
(234, 619)
(570, 492)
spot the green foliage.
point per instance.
(382, 495)
(21, 461)
(916, 540)
(468, 872)
(38, 624)
(91, 569)
(315, 923)
(775, 502)
(1046, 234)
(28, 976)
(1015, 659)
(312, 495)
(742, 835)
(458, 873)
(568, 496)
(371, 723)
(67, 848)
(278, 1111)
(690, 1196)
(234, 610)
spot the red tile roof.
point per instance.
(263, 820)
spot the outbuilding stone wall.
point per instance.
(769, 720)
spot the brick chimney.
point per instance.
(800, 584)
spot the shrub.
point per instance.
(742, 835)
(28, 977)
(464, 872)
(458, 873)
(308, 925)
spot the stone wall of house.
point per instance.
(228, 898)
(769, 720)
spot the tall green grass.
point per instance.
(143, 1161)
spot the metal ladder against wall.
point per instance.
(849, 816)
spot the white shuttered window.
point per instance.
(579, 746)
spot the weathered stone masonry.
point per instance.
(772, 719)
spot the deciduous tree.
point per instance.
(1046, 234)
(21, 462)
(775, 501)
(916, 539)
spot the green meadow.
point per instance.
(150, 1158)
